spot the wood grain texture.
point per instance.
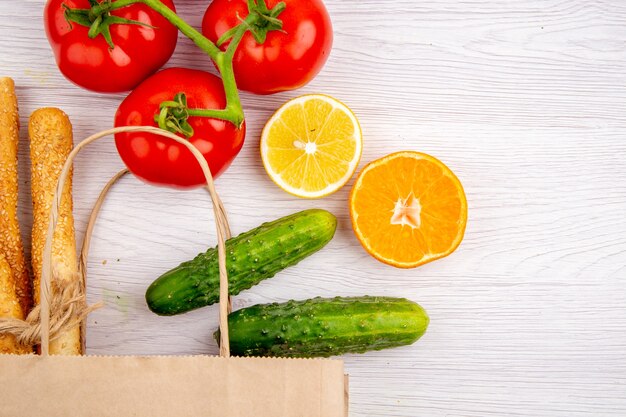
(524, 100)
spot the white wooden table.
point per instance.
(525, 100)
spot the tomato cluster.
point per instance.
(123, 48)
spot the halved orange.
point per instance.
(408, 209)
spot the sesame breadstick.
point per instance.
(9, 307)
(10, 239)
(50, 134)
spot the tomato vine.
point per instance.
(259, 21)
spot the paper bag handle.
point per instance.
(221, 222)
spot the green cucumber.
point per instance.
(251, 257)
(325, 327)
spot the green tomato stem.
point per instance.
(233, 112)
(225, 66)
(223, 114)
(203, 43)
(259, 21)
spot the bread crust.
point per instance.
(51, 142)
(10, 239)
(9, 308)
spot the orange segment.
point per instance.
(408, 209)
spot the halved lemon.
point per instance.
(311, 146)
(407, 209)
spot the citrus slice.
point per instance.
(311, 146)
(408, 209)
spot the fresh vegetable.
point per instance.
(287, 57)
(251, 257)
(202, 108)
(325, 327)
(178, 98)
(408, 209)
(128, 45)
(50, 133)
(311, 146)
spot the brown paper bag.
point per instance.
(181, 386)
(159, 386)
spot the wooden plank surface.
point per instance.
(524, 100)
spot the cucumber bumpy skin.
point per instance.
(250, 258)
(325, 327)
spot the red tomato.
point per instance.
(90, 63)
(285, 61)
(159, 160)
